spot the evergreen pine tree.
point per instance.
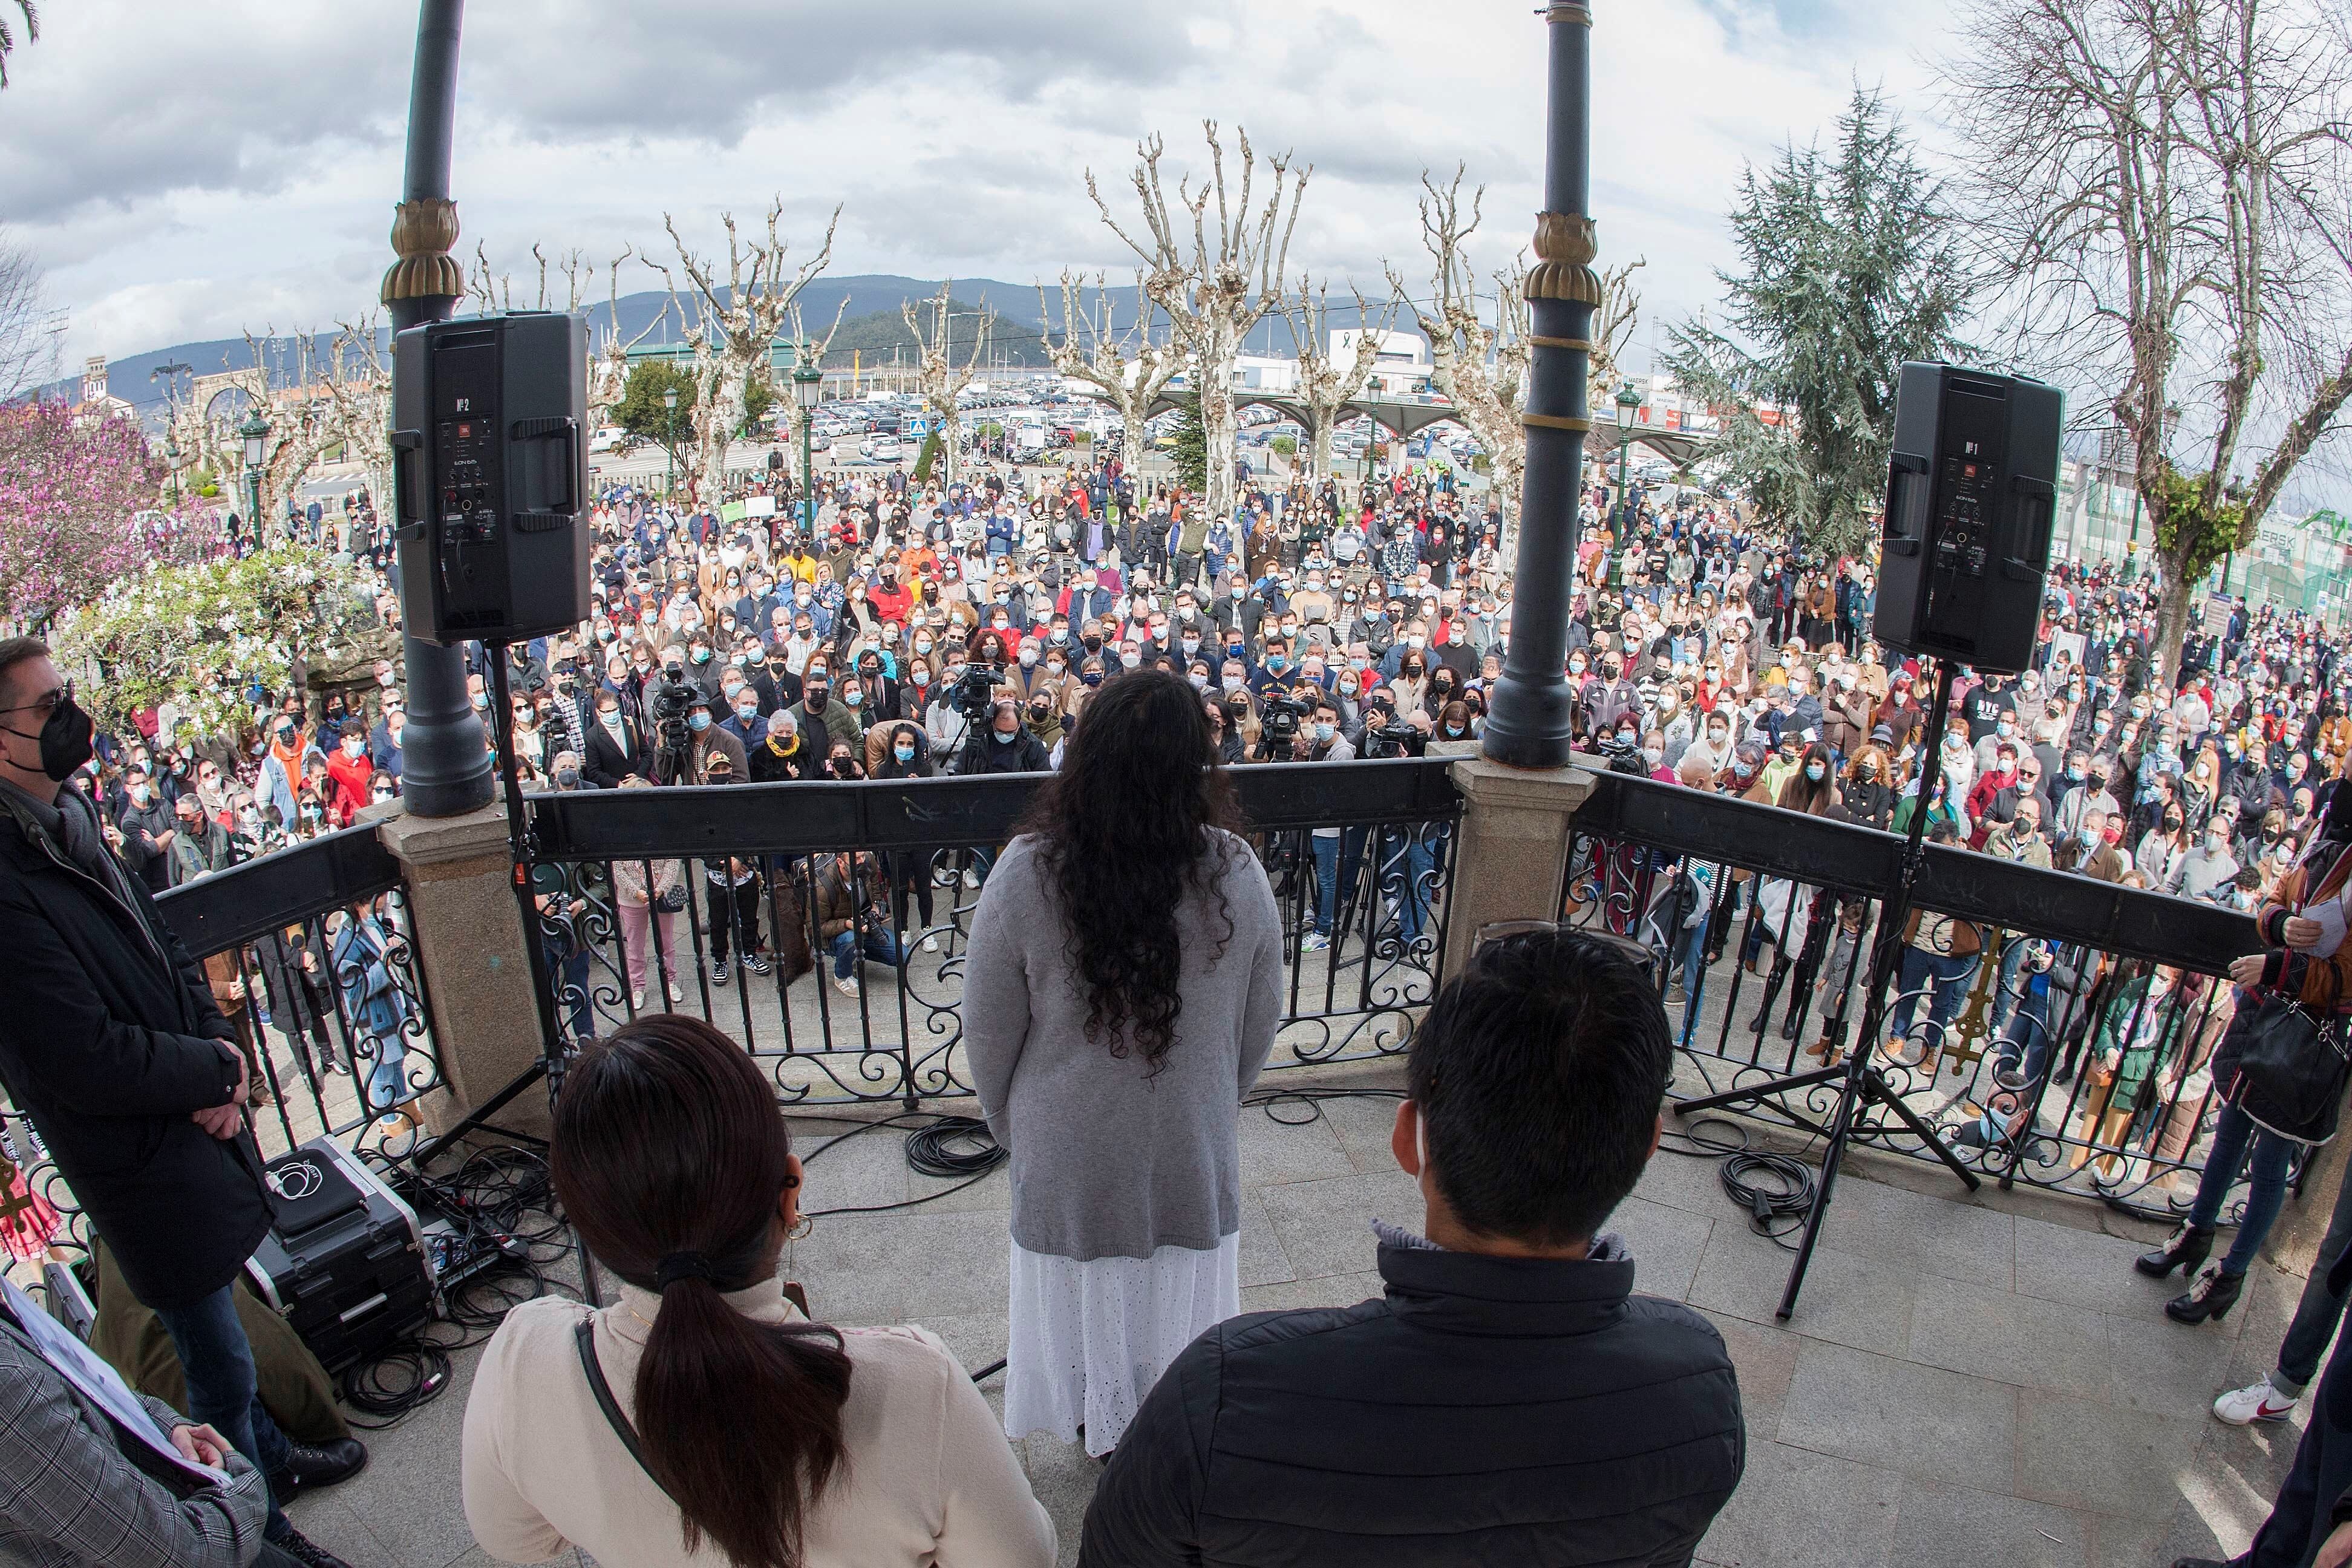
(1849, 266)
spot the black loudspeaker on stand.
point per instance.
(491, 478)
(1970, 505)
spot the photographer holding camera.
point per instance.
(1001, 746)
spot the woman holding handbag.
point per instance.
(2301, 982)
(648, 905)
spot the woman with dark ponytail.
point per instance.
(700, 1419)
(1121, 991)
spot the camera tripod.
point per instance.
(1859, 1081)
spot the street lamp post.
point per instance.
(808, 386)
(1629, 408)
(669, 466)
(255, 434)
(1530, 719)
(171, 459)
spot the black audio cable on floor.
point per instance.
(504, 1202)
(1772, 1188)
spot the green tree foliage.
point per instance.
(1191, 445)
(925, 458)
(757, 401)
(2197, 523)
(1849, 266)
(203, 637)
(640, 410)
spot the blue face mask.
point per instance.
(699, 722)
(1004, 740)
(904, 754)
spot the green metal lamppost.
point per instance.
(669, 466)
(255, 434)
(808, 387)
(171, 459)
(1629, 408)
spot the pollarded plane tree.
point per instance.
(938, 378)
(608, 359)
(1612, 329)
(1480, 368)
(733, 331)
(1328, 381)
(1125, 363)
(2168, 197)
(339, 397)
(1216, 287)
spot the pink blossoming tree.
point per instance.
(80, 509)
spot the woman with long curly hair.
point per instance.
(1121, 991)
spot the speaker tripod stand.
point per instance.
(1860, 1082)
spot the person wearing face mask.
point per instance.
(1044, 719)
(2208, 869)
(349, 771)
(2084, 789)
(1868, 789)
(2162, 848)
(147, 828)
(818, 713)
(905, 754)
(386, 740)
(617, 748)
(709, 739)
(287, 751)
(114, 1047)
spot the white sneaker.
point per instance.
(2245, 1406)
(1314, 942)
(637, 1000)
(970, 877)
(930, 944)
(676, 994)
(847, 984)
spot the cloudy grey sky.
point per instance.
(186, 173)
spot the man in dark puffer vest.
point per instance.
(1509, 1400)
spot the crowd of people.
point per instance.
(882, 628)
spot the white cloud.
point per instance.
(191, 173)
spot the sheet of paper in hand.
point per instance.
(82, 1367)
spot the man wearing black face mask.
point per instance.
(111, 1041)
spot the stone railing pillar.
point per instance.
(469, 944)
(1511, 857)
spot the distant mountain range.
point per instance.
(871, 329)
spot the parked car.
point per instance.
(880, 448)
(610, 438)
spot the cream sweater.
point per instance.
(929, 1478)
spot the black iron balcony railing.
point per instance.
(311, 953)
(2056, 1029)
(877, 881)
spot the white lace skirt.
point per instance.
(1089, 1340)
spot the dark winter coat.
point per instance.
(110, 1040)
(1484, 1410)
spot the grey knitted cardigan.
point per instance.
(1108, 1163)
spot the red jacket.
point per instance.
(350, 778)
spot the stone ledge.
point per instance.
(417, 841)
(1499, 786)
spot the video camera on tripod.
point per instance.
(1278, 718)
(975, 694)
(665, 707)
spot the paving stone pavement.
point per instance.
(1964, 1381)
